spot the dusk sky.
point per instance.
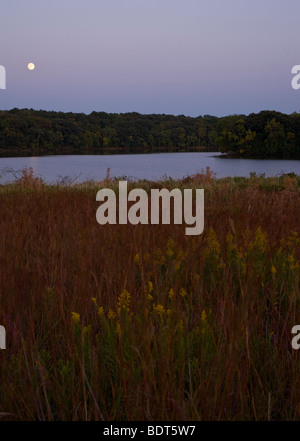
(191, 57)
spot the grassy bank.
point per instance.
(143, 322)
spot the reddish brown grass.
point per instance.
(208, 338)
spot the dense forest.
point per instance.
(32, 132)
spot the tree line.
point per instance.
(35, 132)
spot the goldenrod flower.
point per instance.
(111, 314)
(170, 248)
(171, 244)
(150, 287)
(273, 270)
(171, 294)
(203, 316)
(183, 292)
(124, 300)
(159, 258)
(179, 259)
(159, 309)
(86, 330)
(101, 311)
(293, 239)
(180, 255)
(169, 252)
(261, 241)
(75, 317)
(213, 244)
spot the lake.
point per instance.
(148, 166)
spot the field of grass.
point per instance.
(123, 322)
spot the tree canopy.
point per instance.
(32, 132)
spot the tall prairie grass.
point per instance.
(123, 322)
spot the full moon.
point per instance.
(31, 66)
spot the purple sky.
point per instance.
(191, 57)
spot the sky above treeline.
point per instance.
(191, 57)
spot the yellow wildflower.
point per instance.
(183, 292)
(148, 290)
(203, 316)
(136, 258)
(86, 330)
(213, 244)
(94, 300)
(170, 248)
(293, 239)
(169, 252)
(180, 324)
(111, 314)
(178, 265)
(273, 270)
(180, 255)
(171, 243)
(293, 263)
(261, 241)
(159, 309)
(171, 294)
(124, 300)
(229, 239)
(179, 259)
(159, 258)
(101, 311)
(75, 317)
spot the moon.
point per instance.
(31, 66)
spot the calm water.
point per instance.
(148, 166)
